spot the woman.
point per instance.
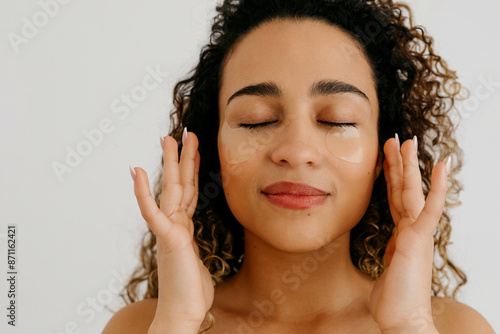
(273, 215)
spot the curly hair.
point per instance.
(416, 92)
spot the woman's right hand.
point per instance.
(185, 286)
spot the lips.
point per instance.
(290, 188)
(291, 195)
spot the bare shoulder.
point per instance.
(451, 316)
(133, 318)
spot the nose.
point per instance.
(298, 143)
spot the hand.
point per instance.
(400, 301)
(186, 291)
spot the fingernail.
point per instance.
(448, 165)
(397, 141)
(132, 172)
(415, 142)
(162, 142)
(184, 135)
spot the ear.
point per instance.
(380, 161)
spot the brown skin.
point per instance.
(297, 261)
(278, 240)
(450, 317)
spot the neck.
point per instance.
(305, 285)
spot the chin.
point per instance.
(299, 237)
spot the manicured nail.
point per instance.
(448, 165)
(415, 142)
(132, 172)
(184, 135)
(397, 141)
(162, 142)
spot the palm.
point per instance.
(402, 293)
(185, 285)
(178, 251)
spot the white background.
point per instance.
(77, 238)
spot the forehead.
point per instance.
(294, 54)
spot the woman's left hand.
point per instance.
(400, 300)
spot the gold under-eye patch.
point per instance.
(349, 142)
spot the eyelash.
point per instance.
(258, 125)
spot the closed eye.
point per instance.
(341, 125)
(256, 125)
(331, 124)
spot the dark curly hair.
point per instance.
(416, 92)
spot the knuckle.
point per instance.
(150, 216)
(142, 196)
(164, 186)
(190, 183)
(169, 186)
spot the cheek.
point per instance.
(353, 144)
(238, 193)
(230, 172)
(239, 145)
(237, 179)
(358, 182)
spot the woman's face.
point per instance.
(312, 73)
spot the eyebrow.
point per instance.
(322, 87)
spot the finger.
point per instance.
(156, 219)
(172, 189)
(395, 215)
(187, 167)
(395, 175)
(194, 201)
(412, 195)
(389, 250)
(434, 204)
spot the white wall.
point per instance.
(77, 236)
